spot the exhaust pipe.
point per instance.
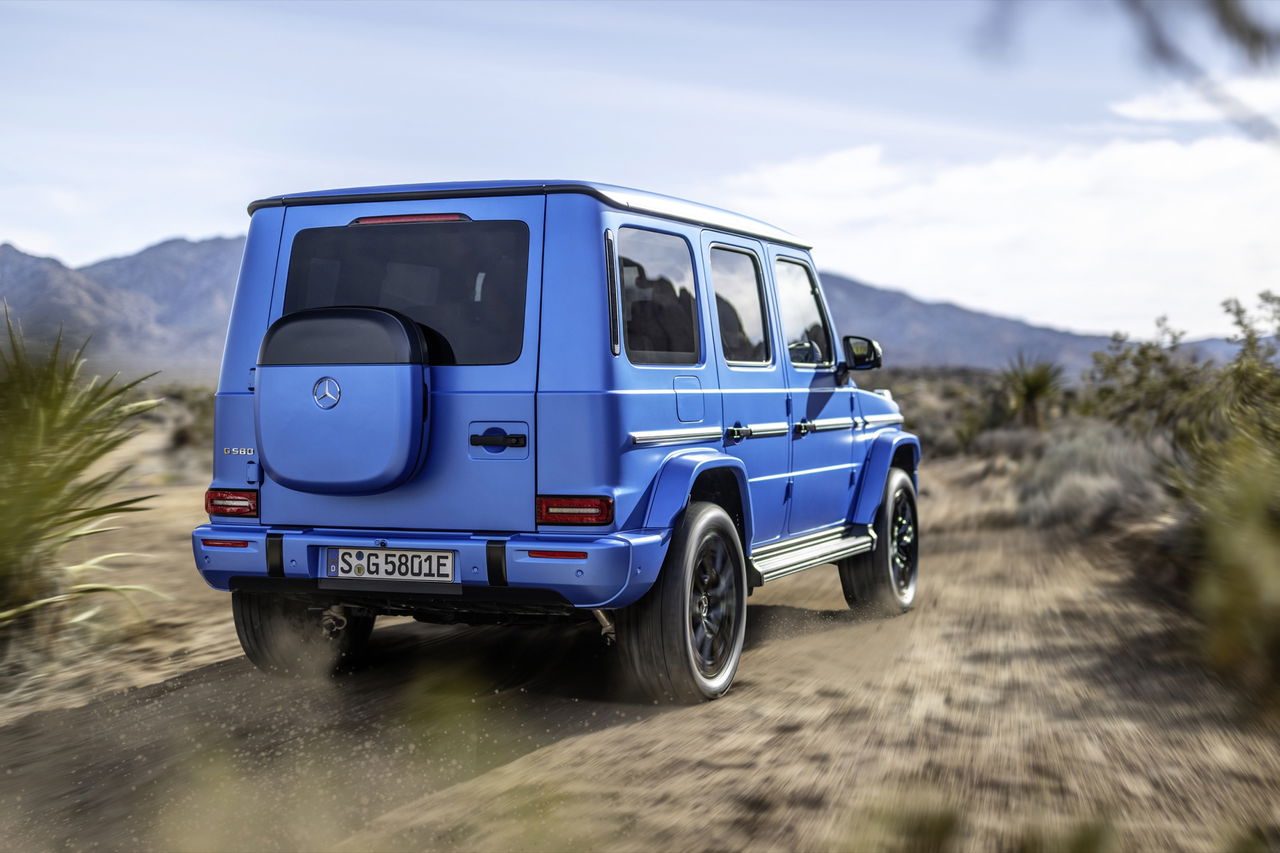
(606, 627)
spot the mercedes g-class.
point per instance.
(533, 400)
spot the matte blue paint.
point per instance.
(690, 407)
(309, 448)
(883, 445)
(618, 570)
(576, 402)
(676, 478)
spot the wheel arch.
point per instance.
(890, 449)
(701, 475)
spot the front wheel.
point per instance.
(883, 581)
(291, 637)
(683, 640)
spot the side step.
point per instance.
(795, 555)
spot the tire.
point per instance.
(675, 646)
(884, 581)
(285, 636)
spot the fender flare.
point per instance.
(675, 481)
(876, 471)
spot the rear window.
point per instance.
(463, 282)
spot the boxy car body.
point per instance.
(536, 379)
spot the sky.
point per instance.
(1023, 159)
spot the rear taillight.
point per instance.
(559, 555)
(231, 502)
(411, 217)
(554, 509)
(224, 543)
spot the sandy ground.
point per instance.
(1030, 692)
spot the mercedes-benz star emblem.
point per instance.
(326, 392)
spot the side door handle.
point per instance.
(804, 427)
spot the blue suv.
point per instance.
(504, 402)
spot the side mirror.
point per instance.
(862, 353)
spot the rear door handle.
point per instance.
(804, 427)
(514, 440)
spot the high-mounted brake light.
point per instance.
(224, 543)
(559, 555)
(231, 502)
(556, 509)
(401, 219)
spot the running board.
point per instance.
(795, 555)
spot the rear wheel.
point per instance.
(883, 581)
(291, 637)
(683, 640)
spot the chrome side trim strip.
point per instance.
(798, 542)
(882, 420)
(816, 554)
(766, 430)
(828, 424)
(675, 436)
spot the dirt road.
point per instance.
(1030, 692)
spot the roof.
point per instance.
(621, 198)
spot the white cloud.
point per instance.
(1091, 238)
(1183, 103)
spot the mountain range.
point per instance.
(166, 307)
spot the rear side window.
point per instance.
(463, 282)
(736, 281)
(659, 305)
(803, 328)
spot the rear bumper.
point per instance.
(618, 569)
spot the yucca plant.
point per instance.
(1033, 386)
(56, 427)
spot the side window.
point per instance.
(739, 290)
(659, 306)
(808, 341)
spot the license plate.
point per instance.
(388, 564)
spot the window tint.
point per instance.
(463, 282)
(659, 308)
(803, 328)
(735, 279)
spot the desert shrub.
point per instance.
(190, 411)
(1238, 590)
(1088, 476)
(947, 407)
(1217, 429)
(1008, 443)
(56, 428)
(951, 408)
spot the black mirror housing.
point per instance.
(862, 353)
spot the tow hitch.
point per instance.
(333, 621)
